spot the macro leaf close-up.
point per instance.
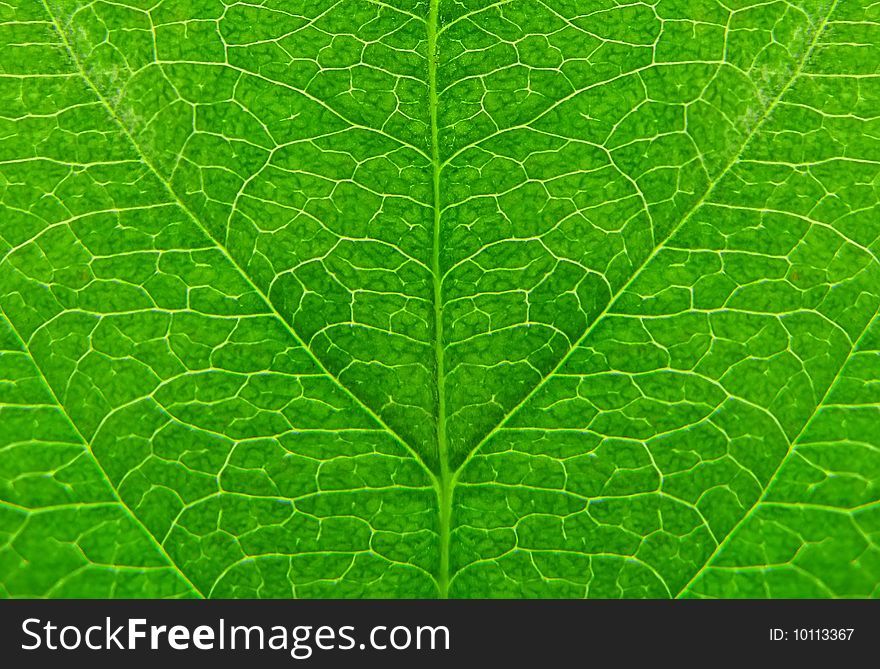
(439, 298)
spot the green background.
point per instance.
(362, 298)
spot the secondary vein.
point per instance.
(792, 443)
(220, 247)
(87, 445)
(771, 105)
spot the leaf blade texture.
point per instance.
(556, 299)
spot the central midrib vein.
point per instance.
(444, 481)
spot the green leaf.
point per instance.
(350, 298)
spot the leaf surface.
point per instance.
(357, 298)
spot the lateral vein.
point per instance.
(820, 28)
(268, 303)
(87, 445)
